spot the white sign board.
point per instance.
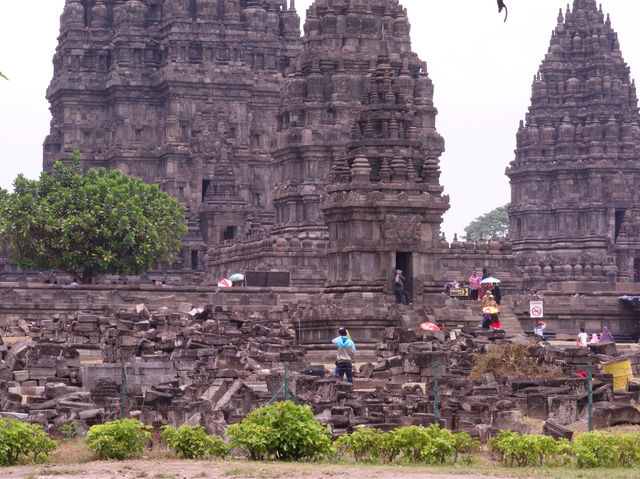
(536, 309)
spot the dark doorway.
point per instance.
(194, 259)
(403, 262)
(205, 188)
(619, 220)
(229, 233)
(636, 269)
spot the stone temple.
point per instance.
(575, 176)
(311, 162)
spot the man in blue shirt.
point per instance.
(346, 355)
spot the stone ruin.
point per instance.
(312, 163)
(211, 365)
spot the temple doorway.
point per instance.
(636, 269)
(403, 262)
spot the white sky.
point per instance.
(482, 69)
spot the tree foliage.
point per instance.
(101, 222)
(485, 226)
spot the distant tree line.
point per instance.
(495, 222)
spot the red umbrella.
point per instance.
(429, 326)
(225, 283)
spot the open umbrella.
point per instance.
(427, 326)
(236, 277)
(224, 283)
(491, 280)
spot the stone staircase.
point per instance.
(468, 313)
(508, 321)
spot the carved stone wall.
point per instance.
(384, 203)
(575, 179)
(166, 90)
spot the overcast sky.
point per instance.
(482, 69)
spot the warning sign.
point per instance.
(535, 309)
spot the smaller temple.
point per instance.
(575, 179)
(384, 204)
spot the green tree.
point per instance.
(101, 222)
(495, 222)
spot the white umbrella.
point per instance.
(236, 277)
(491, 280)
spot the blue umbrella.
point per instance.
(491, 280)
(236, 277)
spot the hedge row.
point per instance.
(284, 431)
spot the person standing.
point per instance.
(345, 356)
(398, 288)
(475, 281)
(497, 294)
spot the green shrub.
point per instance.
(598, 449)
(363, 444)
(189, 442)
(281, 431)
(432, 445)
(121, 439)
(68, 430)
(523, 450)
(410, 441)
(19, 438)
(465, 445)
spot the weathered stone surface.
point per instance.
(605, 347)
(607, 414)
(557, 431)
(582, 153)
(219, 95)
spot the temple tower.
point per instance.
(321, 98)
(154, 87)
(384, 204)
(575, 179)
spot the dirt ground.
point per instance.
(174, 469)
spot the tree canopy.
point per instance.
(495, 222)
(101, 222)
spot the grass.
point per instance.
(60, 472)
(55, 472)
(511, 360)
(72, 452)
(237, 469)
(252, 472)
(480, 467)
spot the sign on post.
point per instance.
(536, 309)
